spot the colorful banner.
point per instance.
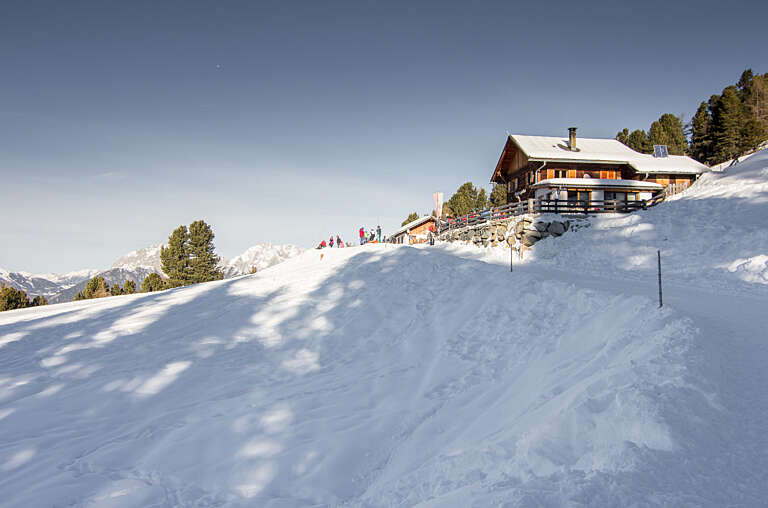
(437, 198)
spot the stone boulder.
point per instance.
(529, 238)
(519, 228)
(556, 228)
(540, 226)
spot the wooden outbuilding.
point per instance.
(414, 232)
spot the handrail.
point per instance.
(539, 206)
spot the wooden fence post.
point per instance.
(658, 255)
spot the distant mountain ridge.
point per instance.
(135, 266)
(259, 257)
(148, 257)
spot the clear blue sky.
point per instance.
(287, 121)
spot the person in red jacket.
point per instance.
(362, 236)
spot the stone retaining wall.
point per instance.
(520, 232)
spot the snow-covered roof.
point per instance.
(413, 224)
(550, 148)
(597, 183)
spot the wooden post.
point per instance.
(658, 254)
(530, 206)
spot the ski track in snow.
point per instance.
(399, 376)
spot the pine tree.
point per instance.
(701, 137)
(175, 258)
(753, 133)
(38, 301)
(11, 298)
(464, 200)
(411, 217)
(129, 287)
(115, 290)
(638, 141)
(152, 282)
(97, 287)
(744, 84)
(481, 202)
(498, 195)
(727, 122)
(204, 263)
(656, 134)
(673, 134)
(756, 99)
(447, 212)
(623, 136)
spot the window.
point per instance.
(618, 196)
(559, 173)
(574, 196)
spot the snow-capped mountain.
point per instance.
(47, 285)
(259, 257)
(135, 266)
(111, 277)
(148, 257)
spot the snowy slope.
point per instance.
(398, 376)
(341, 380)
(715, 234)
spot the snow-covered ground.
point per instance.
(399, 376)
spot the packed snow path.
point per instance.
(398, 376)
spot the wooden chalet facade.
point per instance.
(567, 168)
(414, 232)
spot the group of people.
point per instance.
(331, 244)
(374, 236)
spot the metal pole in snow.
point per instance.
(658, 255)
(511, 251)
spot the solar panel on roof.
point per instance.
(660, 151)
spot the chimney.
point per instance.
(572, 138)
